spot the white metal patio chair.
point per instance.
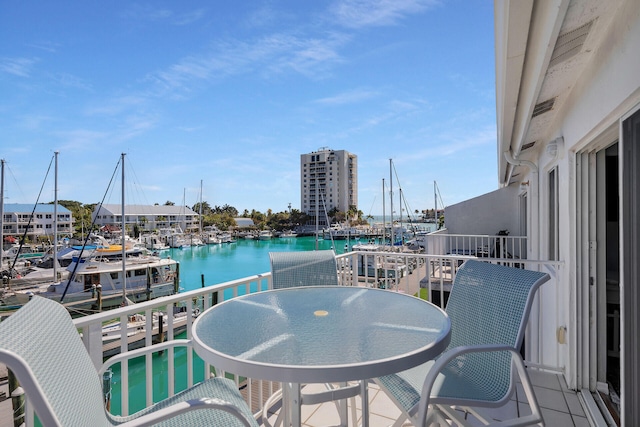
(489, 306)
(304, 268)
(310, 268)
(42, 347)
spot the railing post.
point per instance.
(17, 399)
(92, 337)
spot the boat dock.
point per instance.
(137, 340)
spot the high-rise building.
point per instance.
(328, 179)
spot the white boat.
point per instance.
(339, 232)
(265, 235)
(147, 277)
(210, 236)
(24, 252)
(211, 239)
(194, 240)
(153, 242)
(98, 246)
(288, 234)
(226, 238)
(174, 237)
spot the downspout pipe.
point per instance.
(535, 198)
(535, 208)
(517, 162)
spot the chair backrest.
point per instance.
(41, 346)
(306, 268)
(490, 304)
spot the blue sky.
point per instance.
(231, 93)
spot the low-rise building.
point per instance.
(147, 217)
(37, 221)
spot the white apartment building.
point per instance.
(328, 179)
(38, 222)
(147, 217)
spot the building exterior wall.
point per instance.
(147, 217)
(16, 219)
(485, 215)
(328, 179)
(606, 92)
(608, 89)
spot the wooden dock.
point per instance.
(137, 340)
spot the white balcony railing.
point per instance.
(487, 246)
(431, 275)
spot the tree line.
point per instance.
(224, 216)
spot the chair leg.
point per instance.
(400, 421)
(435, 417)
(277, 395)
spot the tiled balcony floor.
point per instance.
(560, 406)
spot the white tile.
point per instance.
(544, 379)
(558, 408)
(555, 418)
(322, 415)
(551, 399)
(379, 421)
(381, 404)
(580, 421)
(575, 407)
(563, 384)
(524, 409)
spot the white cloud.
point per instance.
(277, 53)
(20, 67)
(115, 106)
(153, 14)
(189, 17)
(350, 97)
(69, 80)
(367, 13)
(46, 46)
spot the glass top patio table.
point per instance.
(320, 334)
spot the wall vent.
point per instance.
(570, 44)
(543, 107)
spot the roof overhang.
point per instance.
(525, 35)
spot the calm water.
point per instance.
(229, 261)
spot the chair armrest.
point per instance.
(189, 405)
(142, 351)
(447, 357)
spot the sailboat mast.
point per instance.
(392, 241)
(1, 207)
(400, 201)
(124, 251)
(55, 221)
(435, 199)
(317, 213)
(384, 218)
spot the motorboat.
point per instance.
(147, 277)
(287, 234)
(265, 235)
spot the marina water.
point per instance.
(229, 261)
